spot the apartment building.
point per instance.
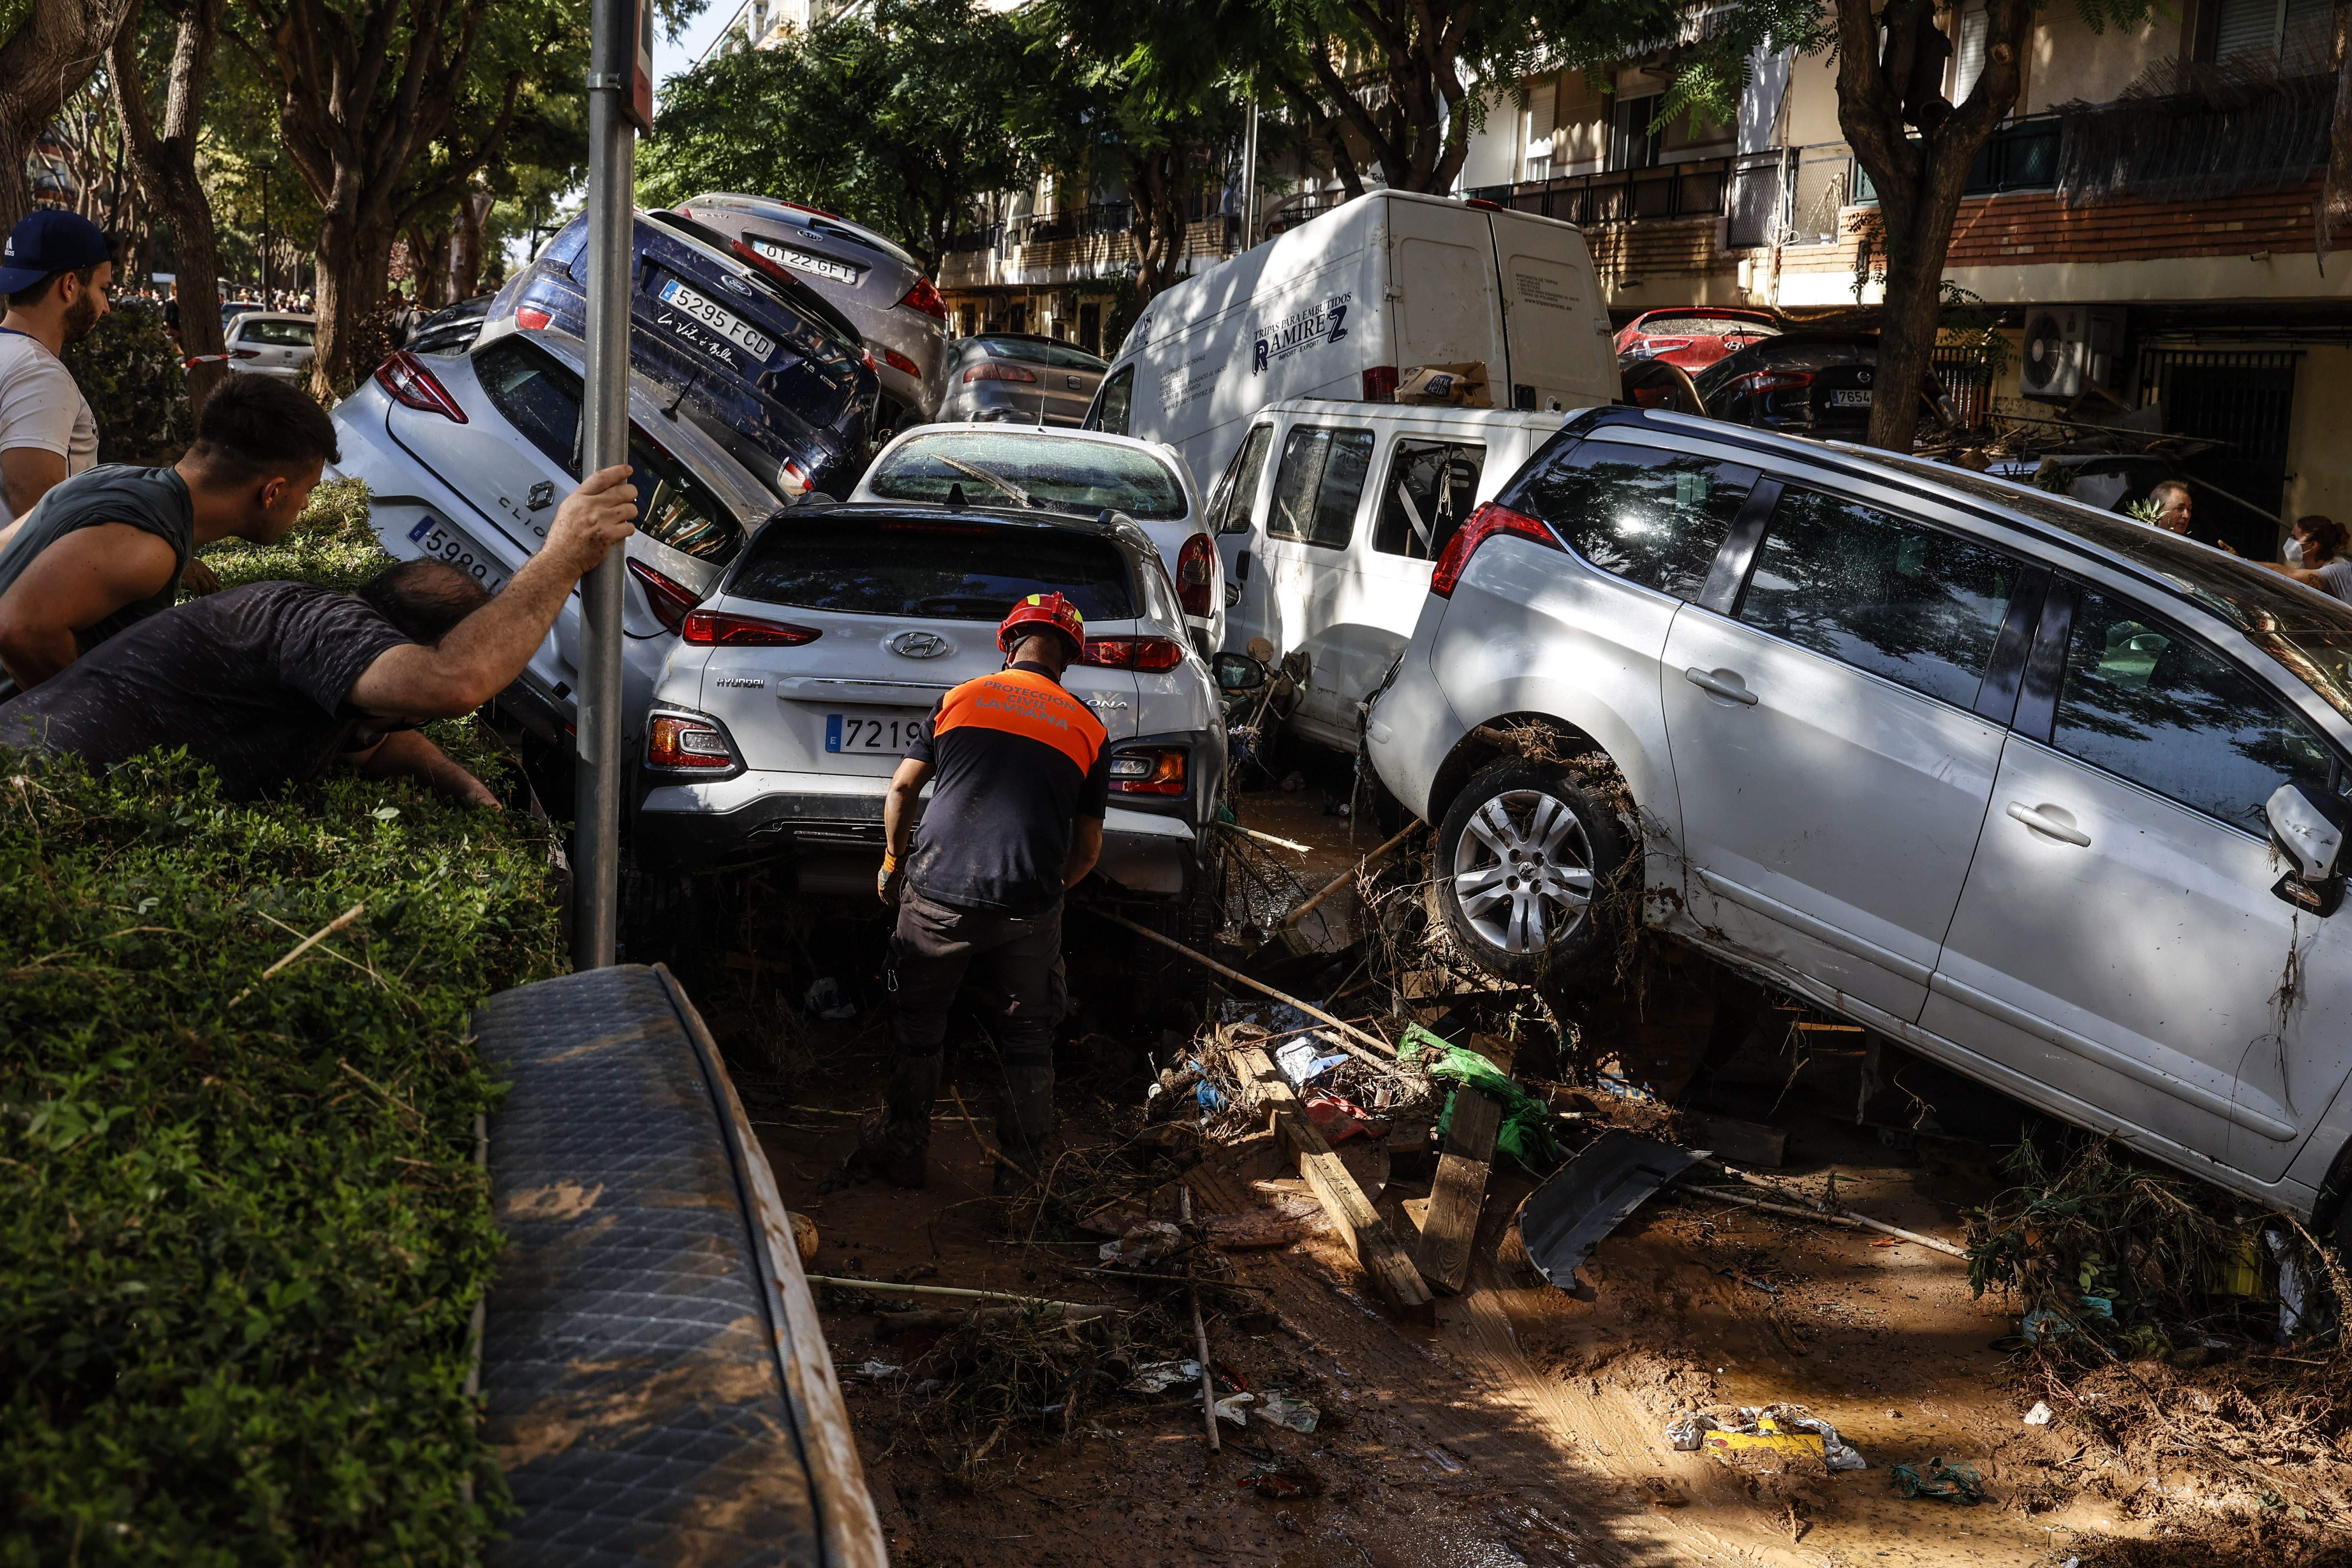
(2143, 224)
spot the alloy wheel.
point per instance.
(1523, 871)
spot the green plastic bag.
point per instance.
(1525, 1137)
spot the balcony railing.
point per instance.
(1694, 189)
(2022, 155)
(1044, 228)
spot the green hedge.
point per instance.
(241, 1228)
(129, 369)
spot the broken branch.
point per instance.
(1388, 1051)
(1092, 1309)
(1345, 878)
(1846, 1217)
(1200, 1335)
(305, 945)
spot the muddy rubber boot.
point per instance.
(1025, 1123)
(894, 1144)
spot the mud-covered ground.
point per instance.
(1526, 1425)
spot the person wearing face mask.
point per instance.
(2314, 554)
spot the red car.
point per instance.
(1693, 336)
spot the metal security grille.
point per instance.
(2242, 397)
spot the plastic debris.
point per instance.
(1302, 1063)
(825, 1000)
(1147, 1243)
(1339, 1118)
(1159, 1376)
(1284, 1410)
(2049, 1324)
(1563, 1220)
(2040, 1415)
(878, 1369)
(1525, 1137)
(2290, 1284)
(1769, 1429)
(1286, 1478)
(1232, 1408)
(1955, 1483)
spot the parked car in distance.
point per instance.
(466, 457)
(2007, 779)
(823, 651)
(2107, 480)
(1805, 383)
(766, 366)
(232, 309)
(1694, 336)
(451, 329)
(1331, 516)
(876, 284)
(1020, 377)
(271, 342)
(1082, 473)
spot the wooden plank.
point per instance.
(1460, 1192)
(1376, 1247)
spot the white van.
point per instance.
(1345, 304)
(1329, 518)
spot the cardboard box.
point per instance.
(1461, 385)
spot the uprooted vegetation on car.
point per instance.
(244, 1222)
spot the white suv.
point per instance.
(1988, 772)
(798, 684)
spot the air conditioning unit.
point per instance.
(2068, 346)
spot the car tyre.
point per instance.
(1526, 871)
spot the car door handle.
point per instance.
(2064, 833)
(1723, 684)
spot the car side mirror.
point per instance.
(1238, 672)
(2307, 828)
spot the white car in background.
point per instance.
(803, 677)
(1080, 473)
(271, 342)
(465, 456)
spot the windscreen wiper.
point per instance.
(1020, 496)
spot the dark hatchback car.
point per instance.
(1804, 384)
(762, 363)
(452, 328)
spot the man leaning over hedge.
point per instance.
(108, 547)
(272, 682)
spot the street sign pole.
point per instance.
(619, 101)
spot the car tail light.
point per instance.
(1482, 204)
(1381, 384)
(244, 354)
(924, 298)
(531, 317)
(766, 264)
(794, 478)
(718, 628)
(1196, 575)
(672, 741)
(997, 373)
(1148, 654)
(1764, 381)
(901, 363)
(670, 601)
(1148, 770)
(1482, 525)
(414, 386)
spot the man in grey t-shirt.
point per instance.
(269, 683)
(108, 547)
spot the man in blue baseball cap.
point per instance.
(54, 271)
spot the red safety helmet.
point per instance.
(1043, 610)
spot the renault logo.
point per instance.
(920, 645)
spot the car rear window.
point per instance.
(1066, 474)
(1706, 326)
(540, 397)
(930, 570)
(1041, 350)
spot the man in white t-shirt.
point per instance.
(55, 273)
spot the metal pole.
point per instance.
(604, 430)
(1249, 182)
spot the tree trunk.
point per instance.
(466, 252)
(52, 52)
(165, 159)
(353, 264)
(1917, 147)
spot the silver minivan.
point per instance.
(2042, 793)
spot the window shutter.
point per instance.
(1541, 106)
(1969, 59)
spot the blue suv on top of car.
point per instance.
(768, 366)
